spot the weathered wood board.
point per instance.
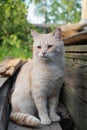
(78, 39)
(75, 88)
(9, 66)
(76, 49)
(77, 79)
(54, 126)
(77, 108)
(4, 106)
(2, 81)
(5, 86)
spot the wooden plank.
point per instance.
(76, 65)
(76, 75)
(76, 78)
(79, 38)
(2, 81)
(76, 107)
(75, 90)
(13, 126)
(9, 66)
(75, 48)
(4, 102)
(76, 56)
(43, 128)
(55, 126)
(4, 107)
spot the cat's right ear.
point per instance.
(57, 33)
(34, 34)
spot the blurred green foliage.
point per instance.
(59, 11)
(15, 39)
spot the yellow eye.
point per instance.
(39, 47)
(50, 46)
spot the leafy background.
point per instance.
(15, 38)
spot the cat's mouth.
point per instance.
(44, 57)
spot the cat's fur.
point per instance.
(39, 82)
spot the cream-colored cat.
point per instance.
(39, 82)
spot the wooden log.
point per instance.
(77, 39)
(68, 30)
(72, 29)
(76, 49)
(9, 66)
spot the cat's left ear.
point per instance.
(34, 33)
(57, 33)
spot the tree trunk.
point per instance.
(84, 10)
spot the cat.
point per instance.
(39, 82)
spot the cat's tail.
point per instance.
(24, 119)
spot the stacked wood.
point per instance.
(78, 38)
(75, 89)
(71, 29)
(68, 30)
(6, 84)
(9, 66)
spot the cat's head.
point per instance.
(47, 46)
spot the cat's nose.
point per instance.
(44, 53)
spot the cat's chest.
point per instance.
(46, 79)
(50, 70)
(46, 75)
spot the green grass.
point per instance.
(9, 51)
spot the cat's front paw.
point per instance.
(46, 121)
(55, 118)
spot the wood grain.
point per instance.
(77, 107)
(4, 106)
(53, 126)
(3, 80)
(9, 66)
(75, 89)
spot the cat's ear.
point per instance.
(34, 33)
(57, 33)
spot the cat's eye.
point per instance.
(50, 46)
(39, 47)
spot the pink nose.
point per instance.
(43, 53)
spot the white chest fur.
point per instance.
(46, 78)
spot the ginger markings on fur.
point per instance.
(39, 82)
